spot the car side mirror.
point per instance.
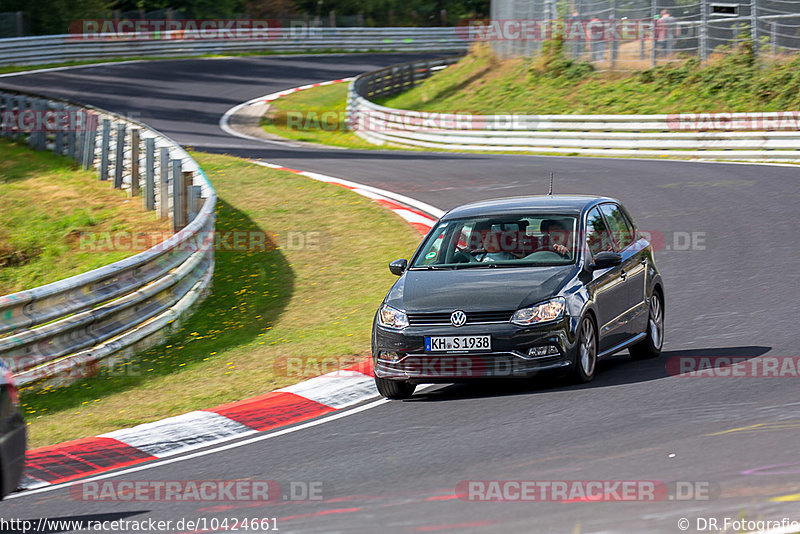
(398, 267)
(606, 259)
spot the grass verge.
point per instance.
(46, 205)
(311, 295)
(554, 84)
(316, 115)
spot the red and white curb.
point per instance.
(274, 96)
(224, 121)
(203, 428)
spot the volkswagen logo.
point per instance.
(458, 318)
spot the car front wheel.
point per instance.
(650, 346)
(394, 389)
(586, 361)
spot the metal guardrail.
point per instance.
(76, 47)
(687, 135)
(70, 328)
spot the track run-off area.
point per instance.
(726, 251)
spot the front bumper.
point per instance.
(401, 355)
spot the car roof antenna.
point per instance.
(550, 193)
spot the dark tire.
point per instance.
(586, 361)
(394, 389)
(650, 346)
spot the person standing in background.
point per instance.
(672, 30)
(665, 32)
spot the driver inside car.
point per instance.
(555, 236)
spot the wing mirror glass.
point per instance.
(606, 259)
(398, 267)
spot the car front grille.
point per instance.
(416, 319)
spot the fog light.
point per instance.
(388, 356)
(545, 350)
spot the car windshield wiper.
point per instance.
(476, 265)
(430, 268)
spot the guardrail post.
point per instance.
(78, 153)
(149, 197)
(88, 148)
(41, 135)
(34, 137)
(22, 105)
(134, 162)
(119, 154)
(4, 100)
(71, 138)
(196, 203)
(178, 195)
(58, 146)
(163, 185)
(30, 106)
(186, 200)
(105, 141)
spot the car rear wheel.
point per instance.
(394, 389)
(586, 361)
(650, 346)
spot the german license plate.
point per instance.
(458, 344)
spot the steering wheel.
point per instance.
(544, 255)
(462, 255)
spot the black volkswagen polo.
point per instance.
(514, 287)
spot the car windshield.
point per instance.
(499, 241)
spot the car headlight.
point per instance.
(546, 311)
(392, 318)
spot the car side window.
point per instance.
(598, 238)
(629, 220)
(618, 224)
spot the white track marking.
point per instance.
(181, 433)
(338, 389)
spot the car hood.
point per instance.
(480, 289)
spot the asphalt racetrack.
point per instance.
(729, 241)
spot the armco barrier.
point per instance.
(734, 136)
(77, 47)
(71, 327)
